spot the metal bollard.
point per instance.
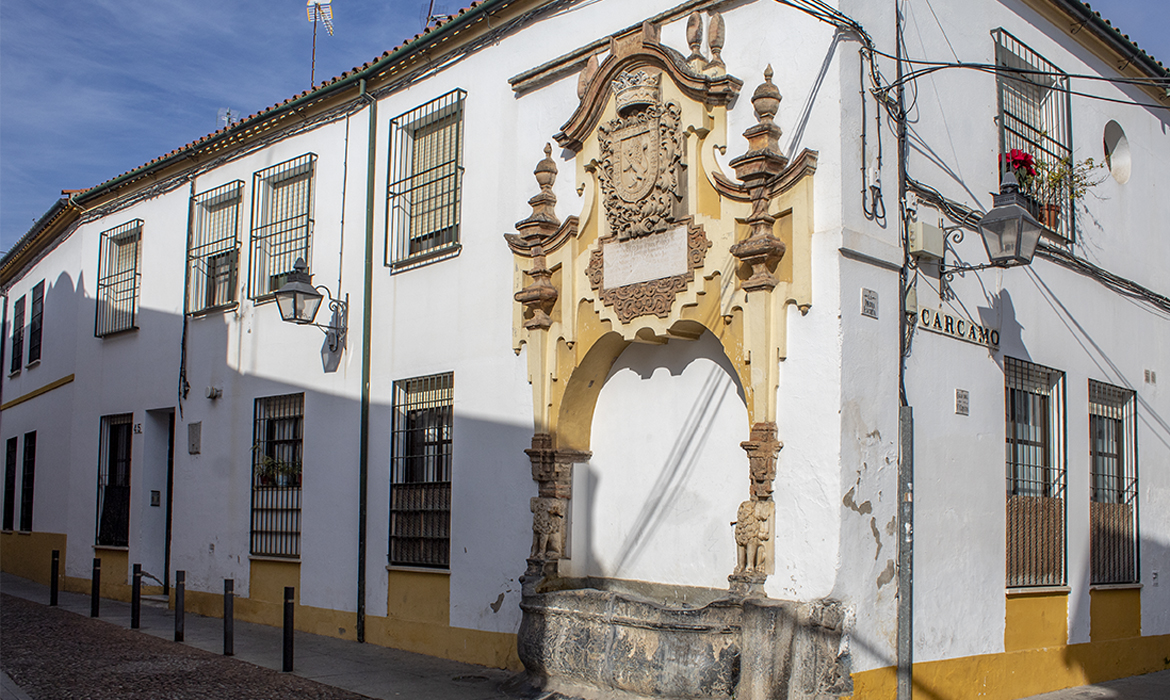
(229, 631)
(180, 588)
(95, 588)
(288, 629)
(136, 598)
(54, 574)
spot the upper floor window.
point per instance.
(17, 335)
(426, 177)
(282, 222)
(213, 247)
(1034, 407)
(1113, 484)
(1035, 129)
(118, 278)
(36, 318)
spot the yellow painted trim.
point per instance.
(1019, 674)
(1115, 613)
(1036, 621)
(37, 392)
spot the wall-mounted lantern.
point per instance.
(1010, 233)
(299, 301)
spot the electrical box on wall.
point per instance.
(926, 241)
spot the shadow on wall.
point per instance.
(666, 434)
(139, 371)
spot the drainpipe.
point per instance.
(905, 634)
(367, 315)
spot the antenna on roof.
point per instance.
(225, 116)
(318, 10)
(430, 16)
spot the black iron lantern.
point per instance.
(297, 299)
(1010, 232)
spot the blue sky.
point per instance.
(92, 88)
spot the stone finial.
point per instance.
(766, 99)
(716, 35)
(756, 168)
(586, 76)
(696, 61)
(539, 297)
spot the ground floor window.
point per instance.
(277, 443)
(113, 490)
(1034, 407)
(27, 477)
(1113, 484)
(420, 471)
(10, 483)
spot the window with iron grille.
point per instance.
(1035, 118)
(1034, 403)
(36, 318)
(420, 490)
(9, 483)
(282, 222)
(113, 506)
(118, 278)
(27, 478)
(213, 247)
(1113, 488)
(17, 335)
(426, 177)
(277, 433)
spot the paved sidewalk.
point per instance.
(365, 669)
(1152, 686)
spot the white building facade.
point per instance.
(656, 439)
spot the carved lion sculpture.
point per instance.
(753, 528)
(548, 519)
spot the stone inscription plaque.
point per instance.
(644, 259)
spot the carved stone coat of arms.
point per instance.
(641, 158)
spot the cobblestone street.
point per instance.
(51, 653)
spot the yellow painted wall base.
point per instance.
(1115, 613)
(29, 554)
(1018, 674)
(1035, 620)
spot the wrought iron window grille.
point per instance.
(113, 489)
(420, 471)
(1035, 117)
(9, 484)
(119, 278)
(1036, 478)
(27, 479)
(282, 222)
(426, 181)
(36, 321)
(213, 248)
(17, 335)
(1113, 489)
(277, 463)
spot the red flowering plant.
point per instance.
(1022, 165)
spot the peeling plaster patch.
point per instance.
(876, 536)
(886, 576)
(876, 434)
(890, 526)
(496, 605)
(864, 509)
